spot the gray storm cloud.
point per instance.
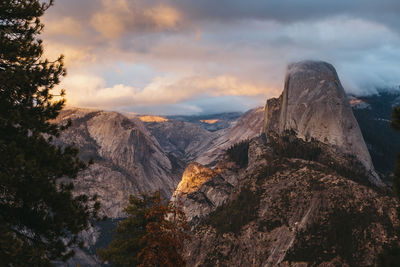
(249, 43)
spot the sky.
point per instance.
(204, 56)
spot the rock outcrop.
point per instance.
(135, 154)
(314, 105)
(193, 178)
(202, 189)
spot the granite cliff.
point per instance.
(314, 105)
(127, 158)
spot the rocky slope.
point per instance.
(314, 105)
(294, 204)
(210, 122)
(248, 125)
(184, 140)
(127, 158)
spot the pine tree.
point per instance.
(39, 217)
(123, 249)
(395, 124)
(151, 235)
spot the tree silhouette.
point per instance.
(39, 217)
(151, 235)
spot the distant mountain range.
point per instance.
(210, 122)
(136, 153)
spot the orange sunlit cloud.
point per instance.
(118, 17)
(160, 91)
(122, 54)
(68, 26)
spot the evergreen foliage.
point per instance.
(389, 256)
(340, 231)
(291, 146)
(39, 217)
(232, 216)
(288, 145)
(238, 153)
(151, 235)
(395, 124)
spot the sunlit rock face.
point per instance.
(314, 105)
(197, 202)
(127, 158)
(195, 175)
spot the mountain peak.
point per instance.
(314, 105)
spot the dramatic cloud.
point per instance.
(191, 56)
(160, 91)
(119, 16)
